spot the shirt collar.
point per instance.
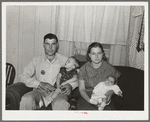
(101, 68)
(55, 58)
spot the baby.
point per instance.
(67, 74)
(98, 96)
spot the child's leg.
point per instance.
(38, 102)
(48, 99)
(54, 95)
(57, 91)
(93, 101)
(41, 103)
(102, 105)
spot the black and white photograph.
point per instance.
(75, 61)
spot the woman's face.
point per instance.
(96, 55)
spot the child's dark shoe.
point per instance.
(73, 104)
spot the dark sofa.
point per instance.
(131, 83)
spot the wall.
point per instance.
(25, 29)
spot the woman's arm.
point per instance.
(82, 91)
(109, 95)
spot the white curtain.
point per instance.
(135, 51)
(86, 24)
(105, 24)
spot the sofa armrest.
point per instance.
(14, 93)
(131, 83)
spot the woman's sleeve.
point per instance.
(116, 73)
(82, 75)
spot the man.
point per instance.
(41, 73)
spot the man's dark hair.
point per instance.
(50, 36)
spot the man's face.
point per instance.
(50, 46)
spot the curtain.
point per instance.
(135, 43)
(82, 25)
(104, 24)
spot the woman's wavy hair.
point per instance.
(95, 44)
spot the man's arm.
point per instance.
(29, 79)
(67, 86)
(73, 82)
(58, 80)
(28, 76)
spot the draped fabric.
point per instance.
(135, 43)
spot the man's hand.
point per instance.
(66, 89)
(46, 86)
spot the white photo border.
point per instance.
(75, 115)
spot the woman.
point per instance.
(96, 70)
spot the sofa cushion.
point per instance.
(14, 93)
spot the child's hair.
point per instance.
(115, 80)
(76, 62)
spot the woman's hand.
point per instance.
(120, 94)
(66, 89)
(46, 86)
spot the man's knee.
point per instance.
(60, 104)
(26, 102)
(30, 101)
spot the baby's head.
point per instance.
(110, 81)
(72, 63)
